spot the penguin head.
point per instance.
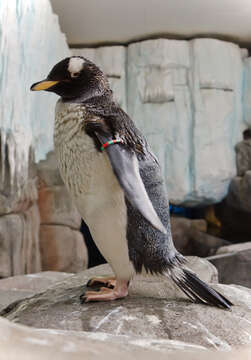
(74, 77)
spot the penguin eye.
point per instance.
(76, 74)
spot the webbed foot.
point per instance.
(119, 291)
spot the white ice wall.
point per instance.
(30, 44)
(159, 101)
(217, 74)
(186, 97)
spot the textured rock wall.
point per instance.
(61, 243)
(30, 43)
(186, 96)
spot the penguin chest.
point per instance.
(94, 188)
(86, 172)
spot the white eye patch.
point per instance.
(75, 66)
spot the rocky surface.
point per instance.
(243, 156)
(234, 211)
(23, 286)
(19, 215)
(167, 316)
(235, 223)
(183, 230)
(233, 263)
(203, 244)
(136, 327)
(233, 248)
(239, 195)
(19, 243)
(190, 237)
(39, 344)
(62, 249)
(18, 187)
(55, 204)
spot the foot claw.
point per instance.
(82, 299)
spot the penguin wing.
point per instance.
(126, 168)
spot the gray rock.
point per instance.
(243, 157)
(23, 286)
(236, 225)
(48, 172)
(167, 316)
(62, 245)
(183, 230)
(62, 249)
(18, 186)
(233, 267)
(56, 207)
(8, 297)
(239, 195)
(40, 344)
(234, 248)
(55, 204)
(203, 244)
(190, 237)
(19, 243)
(36, 282)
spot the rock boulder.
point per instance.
(233, 263)
(61, 243)
(162, 314)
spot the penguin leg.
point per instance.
(109, 282)
(105, 294)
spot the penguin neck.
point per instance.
(90, 96)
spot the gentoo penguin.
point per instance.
(116, 184)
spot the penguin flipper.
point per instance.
(125, 166)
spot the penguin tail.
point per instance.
(197, 290)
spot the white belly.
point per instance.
(96, 192)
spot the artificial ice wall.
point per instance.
(30, 43)
(192, 101)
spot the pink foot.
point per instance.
(105, 294)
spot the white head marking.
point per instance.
(76, 64)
